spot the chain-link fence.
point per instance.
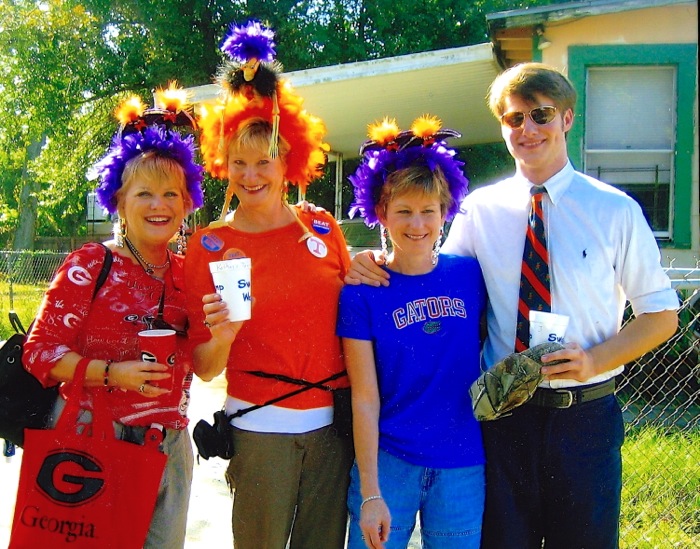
(660, 396)
(24, 276)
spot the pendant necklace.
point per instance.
(150, 268)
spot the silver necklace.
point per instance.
(150, 268)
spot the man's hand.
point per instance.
(579, 364)
(642, 334)
(365, 269)
(309, 207)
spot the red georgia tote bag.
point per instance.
(87, 489)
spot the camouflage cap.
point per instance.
(509, 383)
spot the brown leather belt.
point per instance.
(566, 398)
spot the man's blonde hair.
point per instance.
(527, 80)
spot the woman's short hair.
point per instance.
(415, 178)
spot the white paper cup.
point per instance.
(232, 282)
(547, 327)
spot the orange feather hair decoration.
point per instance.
(171, 98)
(383, 132)
(302, 131)
(426, 126)
(130, 110)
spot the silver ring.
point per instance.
(142, 388)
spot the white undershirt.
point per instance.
(276, 419)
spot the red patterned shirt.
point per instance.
(107, 327)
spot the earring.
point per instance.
(181, 239)
(383, 239)
(436, 248)
(120, 230)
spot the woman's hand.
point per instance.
(309, 207)
(135, 375)
(216, 319)
(210, 358)
(375, 522)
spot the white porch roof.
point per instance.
(450, 84)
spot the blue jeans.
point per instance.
(450, 503)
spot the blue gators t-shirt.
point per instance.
(425, 334)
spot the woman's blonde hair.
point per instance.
(255, 134)
(152, 166)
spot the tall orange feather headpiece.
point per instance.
(253, 89)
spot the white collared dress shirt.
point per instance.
(602, 252)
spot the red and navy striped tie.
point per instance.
(534, 277)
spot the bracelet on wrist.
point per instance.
(368, 499)
(105, 379)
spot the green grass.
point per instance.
(660, 489)
(26, 299)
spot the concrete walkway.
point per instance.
(209, 516)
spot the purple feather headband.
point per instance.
(389, 150)
(150, 130)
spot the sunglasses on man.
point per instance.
(539, 115)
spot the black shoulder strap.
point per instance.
(104, 272)
(306, 386)
(295, 381)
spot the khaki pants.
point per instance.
(290, 487)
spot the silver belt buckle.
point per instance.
(570, 394)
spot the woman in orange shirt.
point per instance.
(290, 467)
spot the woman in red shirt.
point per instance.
(149, 178)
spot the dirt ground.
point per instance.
(209, 516)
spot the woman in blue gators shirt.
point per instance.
(412, 351)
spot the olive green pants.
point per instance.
(290, 488)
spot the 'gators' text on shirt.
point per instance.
(420, 310)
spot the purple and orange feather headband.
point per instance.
(389, 150)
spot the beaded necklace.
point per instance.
(150, 268)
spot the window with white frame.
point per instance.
(630, 136)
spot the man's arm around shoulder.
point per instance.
(365, 269)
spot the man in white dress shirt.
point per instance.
(554, 469)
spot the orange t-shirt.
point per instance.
(295, 288)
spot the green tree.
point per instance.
(65, 65)
(42, 58)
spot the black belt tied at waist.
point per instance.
(566, 398)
